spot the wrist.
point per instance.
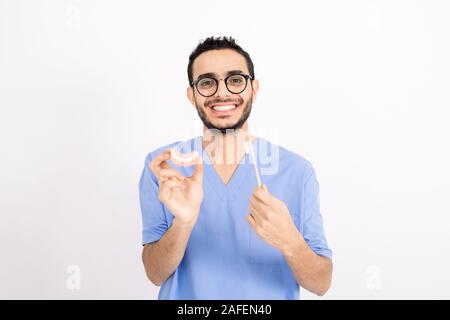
(294, 244)
(177, 222)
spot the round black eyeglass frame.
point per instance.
(246, 77)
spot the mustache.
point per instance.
(231, 101)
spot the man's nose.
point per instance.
(222, 90)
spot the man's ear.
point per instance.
(255, 88)
(190, 95)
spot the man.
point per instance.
(209, 232)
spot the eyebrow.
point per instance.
(213, 74)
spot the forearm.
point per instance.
(312, 272)
(162, 258)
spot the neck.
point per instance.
(226, 148)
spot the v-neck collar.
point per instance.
(212, 178)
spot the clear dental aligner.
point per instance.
(183, 159)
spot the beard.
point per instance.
(239, 123)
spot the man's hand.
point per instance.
(271, 220)
(181, 195)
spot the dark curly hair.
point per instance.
(217, 43)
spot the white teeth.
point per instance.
(224, 108)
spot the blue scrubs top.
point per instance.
(225, 258)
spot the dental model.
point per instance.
(183, 159)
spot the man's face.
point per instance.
(214, 111)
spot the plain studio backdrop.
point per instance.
(88, 88)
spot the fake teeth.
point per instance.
(186, 159)
(224, 108)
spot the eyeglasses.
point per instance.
(235, 83)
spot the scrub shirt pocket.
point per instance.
(262, 252)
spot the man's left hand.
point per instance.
(271, 220)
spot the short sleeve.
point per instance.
(154, 222)
(313, 230)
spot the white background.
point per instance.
(88, 88)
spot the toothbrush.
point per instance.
(249, 150)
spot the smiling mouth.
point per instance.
(223, 107)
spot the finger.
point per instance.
(257, 214)
(173, 184)
(164, 192)
(166, 173)
(263, 205)
(257, 211)
(251, 220)
(253, 223)
(163, 179)
(262, 194)
(158, 162)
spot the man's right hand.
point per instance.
(181, 195)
